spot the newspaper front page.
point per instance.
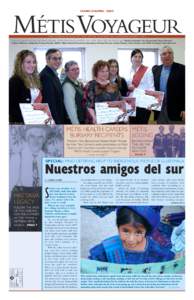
(99, 206)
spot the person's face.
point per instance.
(35, 138)
(171, 128)
(132, 238)
(167, 57)
(136, 60)
(29, 65)
(103, 73)
(53, 147)
(54, 60)
(113, 69)
(73, 72)
(161, 129)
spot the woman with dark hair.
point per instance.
(133, 244)
(100, 89)
(116, 78)
(140, 77)
(24, 85)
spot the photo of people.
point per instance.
(28, 145)
(72, 79)
(132, 235)
(170, 144)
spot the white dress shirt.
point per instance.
(147, 81)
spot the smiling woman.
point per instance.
(140, 77)
(100, 89)
(24, 85)
(73, 93)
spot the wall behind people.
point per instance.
(94, 52)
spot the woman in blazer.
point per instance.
(24, 85)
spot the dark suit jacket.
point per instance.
(53, 95)
(18, 93)
(175, 97)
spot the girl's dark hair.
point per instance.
(126, 215)
(135, 51)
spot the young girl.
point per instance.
(133, 244)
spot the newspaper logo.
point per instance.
(16, 278)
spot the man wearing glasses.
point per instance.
(170, 79)
(51, 86)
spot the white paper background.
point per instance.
(150, 9)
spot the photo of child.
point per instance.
(140, 237)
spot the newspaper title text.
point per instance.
(90, 24)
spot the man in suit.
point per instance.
(170, 79)
(181, 152)
(159, 143)
(171, 142)
(51, 87)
